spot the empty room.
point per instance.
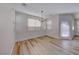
(39, 28)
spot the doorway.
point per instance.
(66, 26)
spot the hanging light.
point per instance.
(24, 4)
(42, 11)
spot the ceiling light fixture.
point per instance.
(42, 11)
(23, 4)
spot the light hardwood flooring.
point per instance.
(46, 46)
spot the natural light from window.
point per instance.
(49, 25)
(34, 23)
(65, 29)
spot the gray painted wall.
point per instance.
(53, 28)
(76, 25)
(22, 31)
(7, 17)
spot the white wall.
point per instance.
(22, 31)
(7, 16)
(53, 29)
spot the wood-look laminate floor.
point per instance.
(46, 46)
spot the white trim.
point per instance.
(12, 47)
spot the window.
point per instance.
(49, 25)
(34, 23)
(65, 29)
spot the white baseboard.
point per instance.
(12, 47)
(29, 38)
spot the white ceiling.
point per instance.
(49, 8)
